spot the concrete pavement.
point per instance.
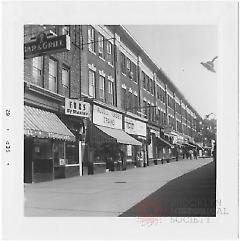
(190, 195)
(109, 194)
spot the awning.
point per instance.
(165, 142)
(44, 124)
(189, 145)
(104, 134)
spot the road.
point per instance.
(191, 195)
(109, 194)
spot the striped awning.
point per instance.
(166, 143)
(102, 134)
(44, 124)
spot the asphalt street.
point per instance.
(191, 195)
(109, 194)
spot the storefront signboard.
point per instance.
(77, 108)
(46, 45)
(135, 127)
(104, 117)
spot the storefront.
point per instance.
(48, 144)
(137, 129)
(108, 143)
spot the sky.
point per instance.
(179, 50)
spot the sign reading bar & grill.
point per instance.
(46, 45)
(77, 108)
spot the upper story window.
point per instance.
(37, 68)
(123, 63)
(124, 98)
(52, 85)
(144, 80)
(66, 30)
(151, 86)
(110, 92)
(110, 53)
(145, 108)
(91, 38)
(101, 46)
(170, 102)
(148, 83)
(101, 87)
(128, 65)
(134, 72)
(65, 81)
(135, 103)
(91, 83)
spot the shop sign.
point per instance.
(156, 133)
(135, 127)
(104, 117)
(46, 45)
(77, 108)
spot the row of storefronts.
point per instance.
(83, 138)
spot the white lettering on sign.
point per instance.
(135, 127)
(77, 108)
(106, 117)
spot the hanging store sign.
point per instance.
(104, 117)
(135, 127)
(77, 108)
(46, 45)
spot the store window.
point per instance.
(101, 46)
(52, 75)
(102, 88)
(91, 83)
(65, 81)
(91, 38)
(71, 153)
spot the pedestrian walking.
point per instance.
(190, 154)
(195, 153)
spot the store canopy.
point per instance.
(44, 124)
(166, 143)
(189, 145)
(104, 134)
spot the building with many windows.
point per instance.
(102, 105)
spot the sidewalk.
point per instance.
(108, 194)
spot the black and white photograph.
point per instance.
(122, 121)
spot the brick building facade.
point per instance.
(137, 116)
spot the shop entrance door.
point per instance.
(28, 157)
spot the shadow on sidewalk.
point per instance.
(191, 195)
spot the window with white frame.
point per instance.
(91, 38)
(65, 81)
(66, 30)
(128, 64)
(37, 67)
(52, 85)
(110, 92)
(91, 83)
(109, 53)
(101, 87)
(101, 46)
